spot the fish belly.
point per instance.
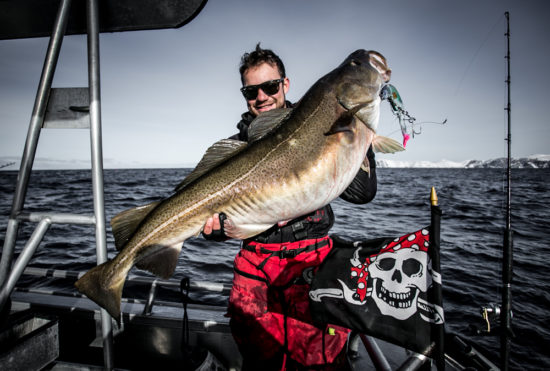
(293, 194)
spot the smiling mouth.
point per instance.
(265, 108)
(393, 299)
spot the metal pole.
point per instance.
(37, 118)
(23, 259)
(436, 296)
(414, 362)
(97, 166)
(376, 355)
(507, 259)
(57, 218)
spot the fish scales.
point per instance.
(307, 159)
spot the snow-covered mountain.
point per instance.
(43, 163)
(424, 164)
(531, 162)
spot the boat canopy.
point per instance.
(34, 18)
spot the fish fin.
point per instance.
(162, 262)
(343, 123)
(105, 294)
(224, 149)
(366, 165)
(125, 224)
(266, 123)
(244, 231)
(386, 145)
(219, 152)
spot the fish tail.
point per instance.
(102, 288)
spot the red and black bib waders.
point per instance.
(269, 303)
(269, 307)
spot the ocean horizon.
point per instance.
(12, 163)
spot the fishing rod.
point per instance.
(506, 311)
(503, 312)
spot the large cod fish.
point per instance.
(296, 161)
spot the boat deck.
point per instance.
(143, 341)
(150, 334)
(140, 340)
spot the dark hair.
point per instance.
(259, 56)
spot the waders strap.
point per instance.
(292, 232)
(284, 253)
(299, 230)
(251, 276)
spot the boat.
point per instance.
(47, 330)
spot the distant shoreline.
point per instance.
(530, 162)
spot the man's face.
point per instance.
(263, 102)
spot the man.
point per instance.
(268, 304)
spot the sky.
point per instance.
(167, 95)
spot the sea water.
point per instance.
(473, 202)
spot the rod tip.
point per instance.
(433, 197)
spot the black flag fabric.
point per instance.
(389, 288)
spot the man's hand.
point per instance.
(218, 228)
(212, 224)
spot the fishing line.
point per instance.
(405, 120)
(413, 127)
(394, 120)
(419, 124)
(476, 54)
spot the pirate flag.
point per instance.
(387, 288)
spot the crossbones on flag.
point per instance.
(387, 288)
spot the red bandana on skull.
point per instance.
(417, 241)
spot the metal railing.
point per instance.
(9, 274)
(153, 283)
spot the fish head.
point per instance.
(358, 87)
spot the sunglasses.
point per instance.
(271, 87)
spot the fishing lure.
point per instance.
(390, 93)
(406, 121)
